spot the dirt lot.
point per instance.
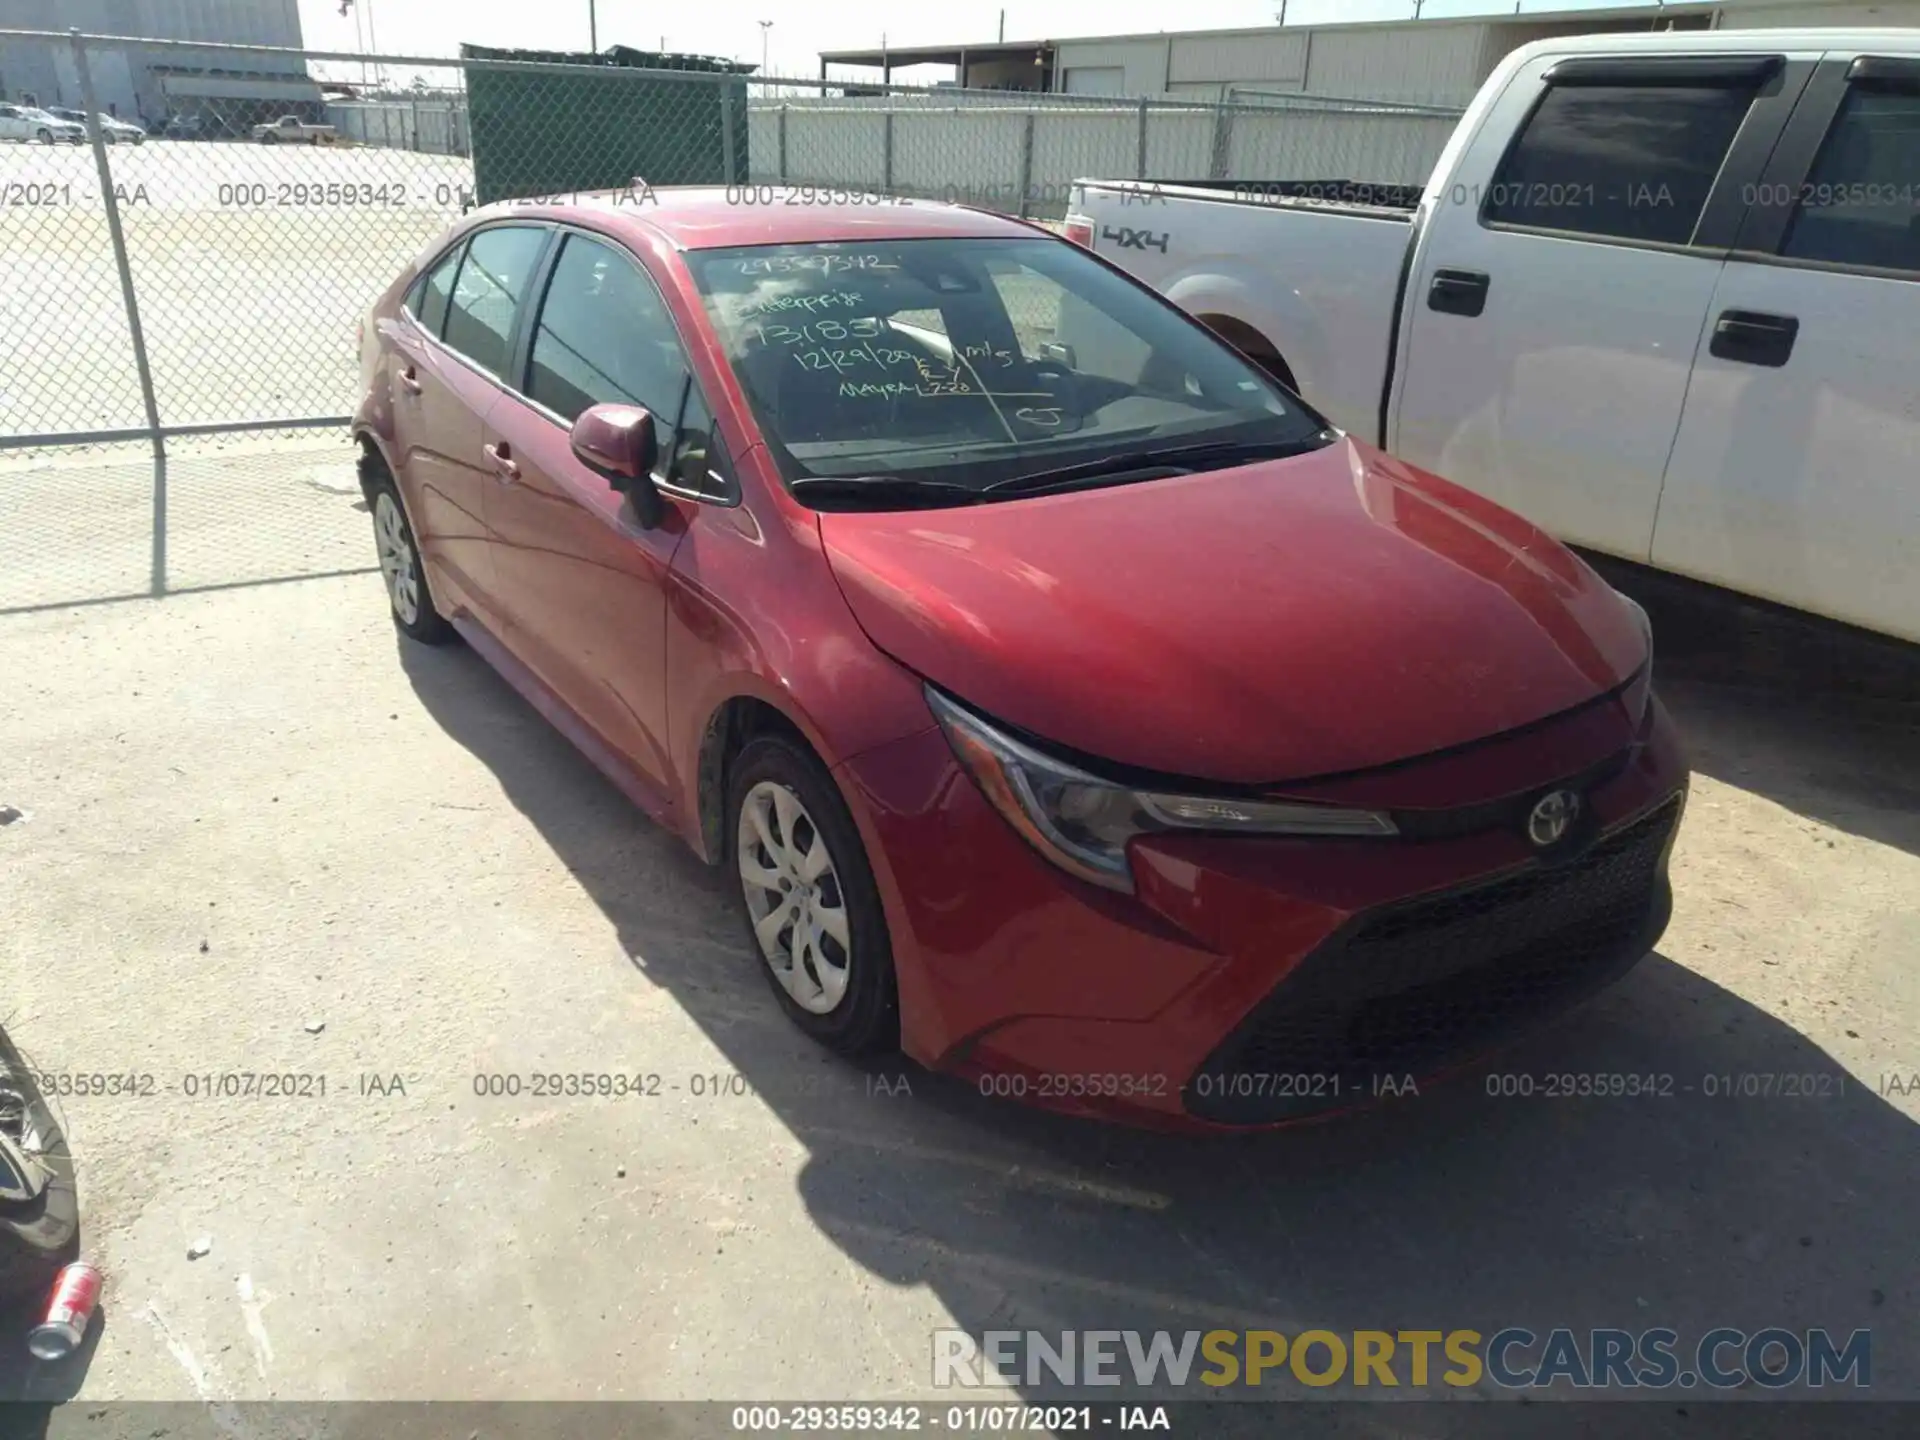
(251, 813)
(228, 244)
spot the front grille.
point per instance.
(1413, 988)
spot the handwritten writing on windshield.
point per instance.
(827, 263)
(864, 327)
(812, 304)
(845, 345)
(843, 359)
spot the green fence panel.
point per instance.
(552, 133)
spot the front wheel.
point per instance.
(45, 136)
(807, 892)
(401, 568)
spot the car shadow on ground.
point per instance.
(1819, 718)
(1852, 763)
(1463, 1208)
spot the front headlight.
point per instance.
(1082, 823)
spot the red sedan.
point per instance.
(1073, 706)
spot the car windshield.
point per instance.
(955, 364)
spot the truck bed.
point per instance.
(1346, 196)
(1302, 275)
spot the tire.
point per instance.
(37, 1237)
(269, 139)
(409, 596)
(840, 990)
(44, 135)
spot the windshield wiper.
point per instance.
(924, 491)
(899, 491)
(1174, 459)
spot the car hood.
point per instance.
(1292, 619)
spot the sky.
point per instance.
(801, 29)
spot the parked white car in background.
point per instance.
(1661, 295)
(113, 130)
(24, 122)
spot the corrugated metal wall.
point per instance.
(1428, 64)
(123, 79)
(1002, 153)
(1144, 61)
(1270, 55)
(1902, 13)
(1437, 62)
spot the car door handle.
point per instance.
(409, 381)
(1753, 337)
(503, 461)
(1458, 292)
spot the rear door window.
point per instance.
(428, 299)
(1861, 202)
(1628, 162)
(487, 292)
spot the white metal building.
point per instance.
(148, 85)
(1432, 62)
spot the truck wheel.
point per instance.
(1255, 346)
(269, 139)
(38, 1236)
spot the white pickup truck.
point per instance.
(292, 130)
(1661, 295)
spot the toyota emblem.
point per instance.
(1552, 816)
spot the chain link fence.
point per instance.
(1021, 152)
(182, 292)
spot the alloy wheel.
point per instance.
(398, 565)
(794, 899)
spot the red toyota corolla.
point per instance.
(1073, 706)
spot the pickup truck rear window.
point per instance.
(1629, 162)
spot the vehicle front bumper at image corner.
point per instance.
(1250, 982)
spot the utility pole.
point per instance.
(593, 27)
(1003, 27)
(765, 26)
(373, 44)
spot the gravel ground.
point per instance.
(262, 836)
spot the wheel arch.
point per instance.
(1218, 294)
(733, 722)
(1254, 345)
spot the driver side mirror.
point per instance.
(617, 443)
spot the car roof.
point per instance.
(705, 217)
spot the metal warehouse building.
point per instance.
(149, 85)
(1429, 62)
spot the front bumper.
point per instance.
(1258, 981)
